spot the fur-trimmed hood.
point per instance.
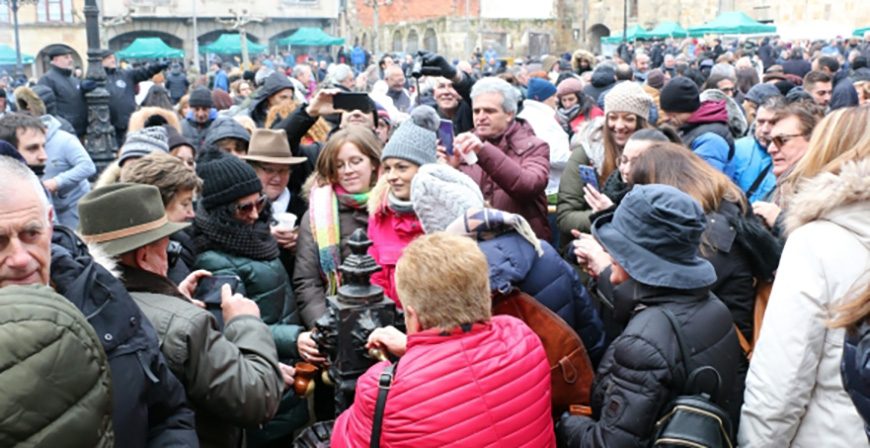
(378, 199)
(25, 97)
(582, 54)
(110, 175)
(138, 118)
(842, 198)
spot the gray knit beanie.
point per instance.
(441, 194)
(628, 96)
(416, 140)
(144, 142)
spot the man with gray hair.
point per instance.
(395, 80)
(512, 165)
(341, 77)
(302, 80)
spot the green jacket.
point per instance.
(572, 211)
(55, 382)
(220, 372)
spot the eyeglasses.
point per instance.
(727, 89)
(783, 139)
(623, 160)
(246, 208)
(272, 172)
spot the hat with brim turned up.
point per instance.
(123, 217)
(271, 146)
(654, 235)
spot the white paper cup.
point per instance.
(286, 221)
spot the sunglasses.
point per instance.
(783, 139)
(246, 208)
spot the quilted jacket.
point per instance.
(484, 385)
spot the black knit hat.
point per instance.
(176, 139)
(680, 95)
(201, 97)
(225, 179)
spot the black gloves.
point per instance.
(435, 65)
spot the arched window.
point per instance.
(413, 42)
(430, 41)
(397, 41)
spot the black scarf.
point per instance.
(217, 230)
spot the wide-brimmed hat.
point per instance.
(123, 217)
(271, 146)
(654, 235)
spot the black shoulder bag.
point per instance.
(693, 419)
(385, 382)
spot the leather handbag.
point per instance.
(571, 371)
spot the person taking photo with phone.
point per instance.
(218, 371)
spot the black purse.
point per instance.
(693, 419)
(385, 382)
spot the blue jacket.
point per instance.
(358, 56)
(513, 263)
(750, 160)
(221, 81)
(71, 166)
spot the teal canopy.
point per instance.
(232, 44)
(149, 48)
(732, 22)
(634, 33)
(666, 30)
(311, 37)
(860, 31)
(7, 56)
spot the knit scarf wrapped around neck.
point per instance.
(566, 116)
(217, 230)
(485, 224)
(326, 230)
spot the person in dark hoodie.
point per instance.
(276, 88)
(68, 90)
(176, 83)
(603, 78)
(766, 53)
(796, 64)
(229, 136)
(200, 117)
(702, 126)
(121, 85)
(50, 102)
(843, 93)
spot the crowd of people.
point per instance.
(683, 210)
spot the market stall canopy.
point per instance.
(311, 37)
(860, 31)
(232, 44)
(7, 56)
(149, 48)
(634, 33)
(732, 22)
(666, 30)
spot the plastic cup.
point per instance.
(286, 221)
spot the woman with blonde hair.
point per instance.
(794, 394)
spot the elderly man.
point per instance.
(513, 165)
(121, 85)
(68, 90)
(276, 89)
(640, 66)
(452, 91)
(218, 369)
(395, 79)
(301, 80)
(340, 76)
(200, 118)
(752, 165)
(453, 341)
(149, 403)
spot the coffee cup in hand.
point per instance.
(286, 221)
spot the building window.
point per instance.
(632, 9)
(54, 11)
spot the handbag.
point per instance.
(693, 419)
(571, 371)
(385, 382)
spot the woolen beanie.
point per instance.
(540, 90)
(221, 100)
(176, 139)
(761, 92)
(143, 142)
(569, 86)
(226, 178)
(441, 194)
(201, 97)
(680, 95)
(655, 79)
(628, 96)
(416, 140)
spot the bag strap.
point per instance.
(681, 341)
(758, 180)
(744, 344)
(385, 382)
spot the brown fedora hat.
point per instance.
(271, 146)
(124, 216)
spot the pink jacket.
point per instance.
(390, 232)
(484, 386)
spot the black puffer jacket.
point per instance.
(177, 84)
(121, 84)
(855, 370)
(70, 97)
(149, 402)
(642, 371)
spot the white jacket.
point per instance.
(547, 128)
(794, 393)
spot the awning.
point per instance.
(7, 56)
(311, 37)
(232, 44)
(732, 22)
(666, 30)
(149, 48)
(860, 31)
(634, 33)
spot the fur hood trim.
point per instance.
(582, 54)
(378, 199)
(138, 118)
(103, 259)
(25, 97)
(110, 175)
(821, 195)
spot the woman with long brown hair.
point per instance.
(794, 394)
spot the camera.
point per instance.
(417, 69)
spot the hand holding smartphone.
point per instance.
(208, 290)
(445, 135)
(587, 173)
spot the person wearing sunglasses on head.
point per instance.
(232, 236)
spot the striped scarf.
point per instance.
(325, 229)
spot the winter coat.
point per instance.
(221, 81)
(44, 336)
(643, 370)
(706, 133)
(149, 402)
(177, 84)
(856, 375)
(70, 166)
(121, 85)
(602, 81)
(766, 53)
(357, 56)
(512, 171)
(750, 162)
(308, 282)
(258, 107)
(485, 385)
(195, 132)
(70, 97)
(182, 243)
(794, 393)
(513, 263)
(543, 121)
(797, 67)
(218, 370)
(582, 54)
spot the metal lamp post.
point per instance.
(100, 138)
(14, 4)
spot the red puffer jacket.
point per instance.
(487, 385)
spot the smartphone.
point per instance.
(208, 290)
(445, 135)
(352, 101)
(587, 173)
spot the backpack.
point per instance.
(693, 419)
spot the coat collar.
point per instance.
(631, 296)
(138, 280)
